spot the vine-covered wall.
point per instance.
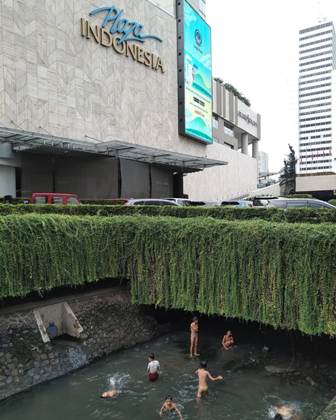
(275, 273)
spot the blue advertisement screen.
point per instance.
(197, 76)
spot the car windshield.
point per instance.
(230, 203)
(73, 200)
(42, 199)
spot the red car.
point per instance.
(54, 198)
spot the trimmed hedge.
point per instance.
(279, 274)
(229, 213)
(333, 201)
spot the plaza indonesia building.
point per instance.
(111, 100)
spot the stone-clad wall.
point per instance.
(110, 323)
(55, 81)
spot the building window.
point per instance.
(315, 55)
(314, 87)
(314, 100)
(215, 122)
(228, 129)
(320, 92)
(304, 76)
(316, 68)
(316, 42)
(314, 35)
(316, 48)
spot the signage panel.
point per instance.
(195, 74)
(124, 36)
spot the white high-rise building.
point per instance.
(263, 163)
(317, 99)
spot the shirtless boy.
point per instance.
(194, 337)
(286, 412)
(110, 394)
(228, 341)
(203, 376)
(170, 407)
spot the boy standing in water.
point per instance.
(153, 368)
(194, 337)
(170, 407)
(203, 376)
(228, 341)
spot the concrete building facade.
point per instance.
(317, 99)
(81, 113)
(236, 134)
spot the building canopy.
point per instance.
(23, 141)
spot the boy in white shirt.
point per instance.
(153, 368)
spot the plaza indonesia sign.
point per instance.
(124, 36)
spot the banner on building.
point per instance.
(194, 74)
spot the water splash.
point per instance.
(118, 381)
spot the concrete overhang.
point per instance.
(31, 142)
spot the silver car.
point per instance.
(150, 202)
(288, 203)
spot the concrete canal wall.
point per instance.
(109, 320)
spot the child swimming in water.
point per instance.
(286, 412)
(170, 407)
(110, 394)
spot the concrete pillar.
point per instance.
(255, 149)
(244, 142)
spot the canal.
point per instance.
(257, 377)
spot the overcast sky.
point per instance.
(255, 48)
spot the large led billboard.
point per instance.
(195, 74)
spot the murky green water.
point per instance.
(248, 391)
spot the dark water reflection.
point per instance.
(248, 391)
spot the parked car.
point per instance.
(54, 198)
(180, 201)
(261, 201)
(150, 202)
(287, 203)
(203, 203)
(237, 203)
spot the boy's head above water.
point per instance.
(278, 417)
(195, 319)
(203, 364)
(151, 357)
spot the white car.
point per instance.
(287, 203)
(150, 202)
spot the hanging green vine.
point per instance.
(279, 274)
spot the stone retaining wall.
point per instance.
(110, 323)
(330, 412)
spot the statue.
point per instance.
(288, 174)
